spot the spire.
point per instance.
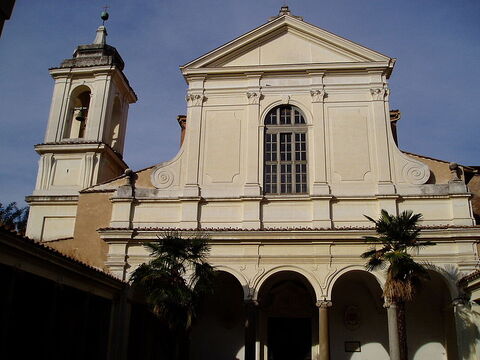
(97, 53)
(101, 37)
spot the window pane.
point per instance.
(285, 147)
(285, 116)
(298, 117)
(271, 118)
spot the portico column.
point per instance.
(393, 340)
(250, 328)
(461, 316)
(324, 336)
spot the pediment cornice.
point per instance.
(349, 54)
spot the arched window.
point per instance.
(285, 160)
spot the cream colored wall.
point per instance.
(355, 168)
(50, 220)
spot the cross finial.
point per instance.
(104, 15)
(285, 10)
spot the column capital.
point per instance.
(250, 302)
(459, 301)
(323, 304)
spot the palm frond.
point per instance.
(170, 289)
(397, 234)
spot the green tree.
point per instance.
(396, 236)
(13, 217)
(175, 279)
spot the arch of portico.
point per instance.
(358, 319)
(258, 281)
(221, 320)
(332, 279)
(242, 280)
(285, 314)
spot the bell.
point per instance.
(80, 115)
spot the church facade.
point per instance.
(289, 141)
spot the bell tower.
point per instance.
(85, 135)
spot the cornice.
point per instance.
(345, 235)
(384, 66)
(52, 199)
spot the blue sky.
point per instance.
(434, 83)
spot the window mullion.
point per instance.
(294, 159)
(279, 156)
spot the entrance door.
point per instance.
(289, 338)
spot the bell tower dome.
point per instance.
(85, 135)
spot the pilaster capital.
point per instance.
(380, 94)
(253, 97)
(195, 99)
(323, 304)
(318, 95)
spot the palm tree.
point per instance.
(397, 235)
(175, 279)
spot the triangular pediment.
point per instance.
(286, 41)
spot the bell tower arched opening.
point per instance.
(77, 120)
(116, 121)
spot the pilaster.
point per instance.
(251, 214)
(195, 99)
(252, 160)
(321, 212)
(98, 106)
(317, 139)
(379, 95)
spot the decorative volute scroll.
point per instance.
(167, 175)
(195, 99)
(380, 94)
(416, 173)
(162, 178)
(412, 171)
(253, 97)
(318, 95)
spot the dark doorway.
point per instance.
(289, 338)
